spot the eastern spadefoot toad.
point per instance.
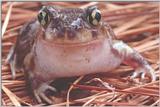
(70, 42)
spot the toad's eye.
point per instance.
(43, 18)
(94, 16)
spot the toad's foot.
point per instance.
(134, 59)
(142, 73)
(39, 93)
(39, 87)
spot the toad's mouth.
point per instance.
(72, 43)
(79, 36)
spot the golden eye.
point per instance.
(43, 17)
(94, 16)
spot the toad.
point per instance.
(67, 42)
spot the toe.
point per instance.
(142, 78)
(37, 96)
(51, 88)
(150, 73)
(134, 75)
(39, 93)
(45, 98)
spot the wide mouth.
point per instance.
(70, 43)
(74, 37)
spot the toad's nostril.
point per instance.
(60, 33)
(71, 34)
(94, 33)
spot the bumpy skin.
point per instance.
(70, 46)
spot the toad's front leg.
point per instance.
(39, 87)
(36, 83)
(134, 59)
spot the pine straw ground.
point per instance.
(135, 23)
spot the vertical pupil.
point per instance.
(46, 18)
(98, 16)
(40, 17)
(90, 19)
(41, 14)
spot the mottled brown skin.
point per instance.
(68, 45)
